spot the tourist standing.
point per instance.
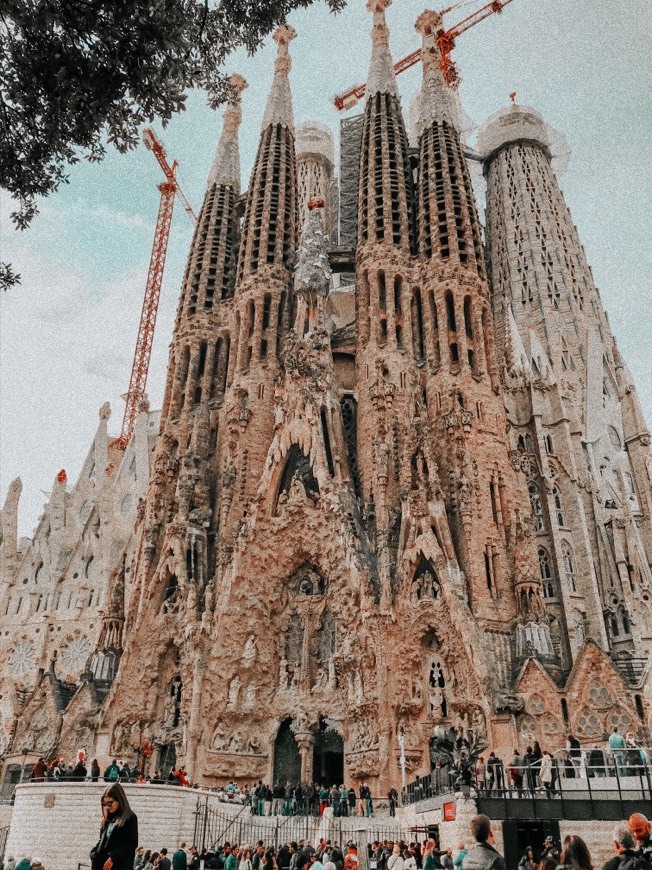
(575, 854)
(395, 861)
(516, 771)
(164, 862)
(180, 859)
(528, 861)
(546, 772)
(617, 745)
(118, 832)
(392, 796)
(642, 830)
(626, 857)
(481, 774)
(483, 856)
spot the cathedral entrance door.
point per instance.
(167, 759)
(328, 757)
(287, 760)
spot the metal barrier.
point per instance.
(621, 774)
(4, 834)
(213, 828)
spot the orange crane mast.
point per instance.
(445, 40)
(140, 367)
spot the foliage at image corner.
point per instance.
(77, 76)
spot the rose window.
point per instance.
(21, 659)
(536, 705)
(600, 697)
(74, 656)
(588, 725)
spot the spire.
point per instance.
(226, 165)
(385, 182)
(437, 102)
(269, 232)
(279, 102)
(381, 78)
(312, 274)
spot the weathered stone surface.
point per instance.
(370, 511)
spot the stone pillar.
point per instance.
(306, 743)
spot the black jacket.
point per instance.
(120, 846)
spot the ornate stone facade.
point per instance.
(375, 509)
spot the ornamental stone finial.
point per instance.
(381, 78)
(226, 166)
(279, 102)
(437, 102)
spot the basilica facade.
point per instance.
(401, 478)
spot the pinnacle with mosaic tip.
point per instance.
(381, 78)
(226, 166)
(279, 102)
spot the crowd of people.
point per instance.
(118, 849)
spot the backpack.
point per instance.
(638, 861)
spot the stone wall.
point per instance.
(59, 823)
(597, 833)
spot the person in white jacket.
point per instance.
(546, 772)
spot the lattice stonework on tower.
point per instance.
(270, 228)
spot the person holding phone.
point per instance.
(116, 848)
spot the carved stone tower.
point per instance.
(577, 428)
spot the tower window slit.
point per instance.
(450, 312)
(382, 292)
(327, 442)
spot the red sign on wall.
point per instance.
(449, 812)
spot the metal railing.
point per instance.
(213, 827)
(596, 773)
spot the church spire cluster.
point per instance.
(447, 465)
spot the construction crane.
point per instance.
(445, 41)
(140, 367)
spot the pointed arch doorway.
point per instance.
(287, 759)
(328, 756)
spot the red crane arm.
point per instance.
(476, 17)
(140, 366)
(446, 42)
(143, 352)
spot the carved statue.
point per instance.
(320, 682)
(234, 692)
(250, 697)
(283, 677)
(250, 652)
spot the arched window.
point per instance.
(90, 597)
(89, 567)
(569, 566)
(548, 443)
(37, 573)
(559, 512)
(624, 620)
(537, 506)
(545, 570)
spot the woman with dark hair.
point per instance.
(116, 848)
(575, 854)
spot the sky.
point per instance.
(68, 332)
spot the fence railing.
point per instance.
(213, 827)
(4, 834)
(605, 774)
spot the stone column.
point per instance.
(306, 743)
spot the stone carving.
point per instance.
(75, 655)
(250, 652)
(234, 693)
(21, 659)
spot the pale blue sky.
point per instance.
(67, 334)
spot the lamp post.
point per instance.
(401, 744)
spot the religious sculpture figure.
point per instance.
(234, 692)
(250, 652)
